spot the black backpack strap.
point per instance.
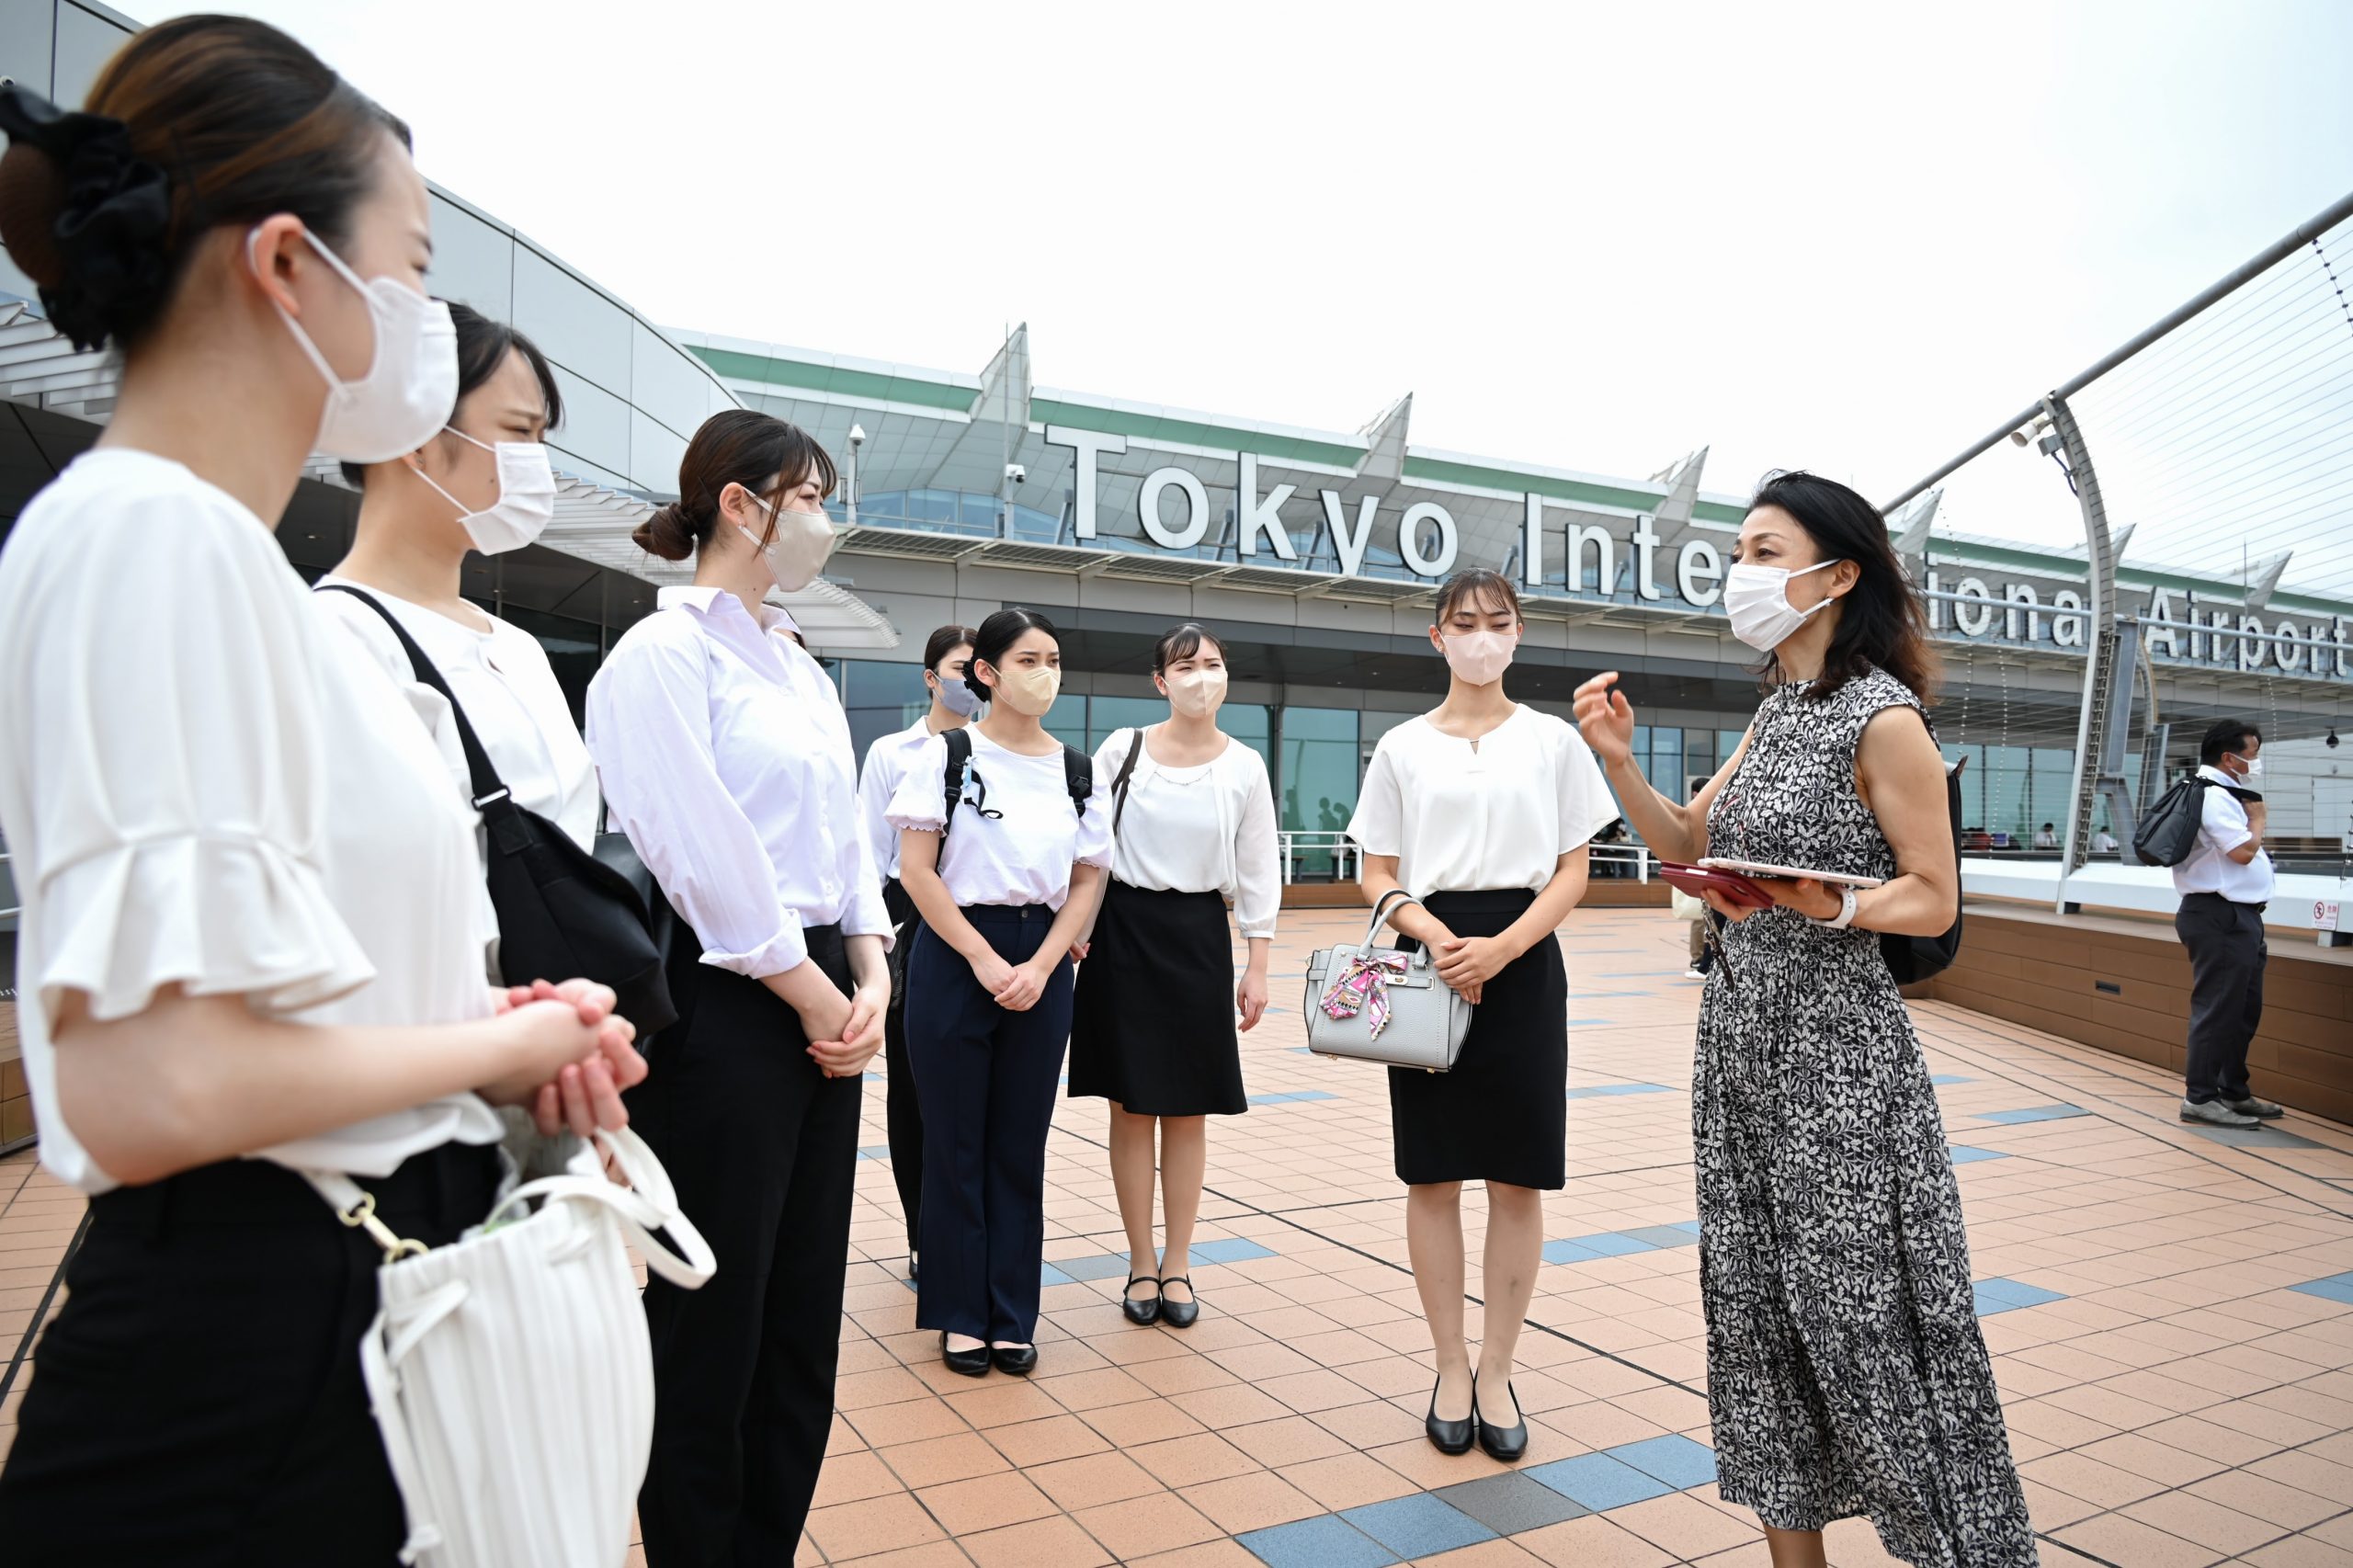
(960, 759)
(488, 789)
(1078, 777)
(1119, 785)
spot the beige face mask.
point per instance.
(1196, 693)
(1031, 691)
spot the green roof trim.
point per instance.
(1572, 489)
(1193, 433)
(838, 380)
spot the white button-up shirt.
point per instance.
(725, 756)
(2224, 827)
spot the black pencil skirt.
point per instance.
(1153, 1025)
(1501, 1114)
(198, 1399)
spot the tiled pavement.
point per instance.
(2171, 1316)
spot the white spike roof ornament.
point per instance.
(1384, 457)
(2263, 577)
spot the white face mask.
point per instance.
(798, 553)
(411, 384)
(2253, 765)
(526, 503)
(1196, 693)
(1480, 657)
(1757, 600)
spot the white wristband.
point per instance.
(1845, 916)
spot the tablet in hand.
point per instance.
(1761, 869)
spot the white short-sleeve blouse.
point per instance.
(1499, 814)
(1022, 852)
(205, 783)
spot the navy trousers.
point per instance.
(987, 1079)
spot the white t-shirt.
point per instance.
(1207, 828)
(510, 694)
(205, 783)
(723, 749)
(887, 762)
(2223, 827)
(1020, 854)
(1497, 815)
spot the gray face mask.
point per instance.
(956, 696)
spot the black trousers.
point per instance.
(2226, 958)
(198, 1399)
(902, 1111)
(762, 1148)
(988, 1080)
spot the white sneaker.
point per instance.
(1695, 974)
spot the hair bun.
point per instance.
(87, 220)
(669, 533)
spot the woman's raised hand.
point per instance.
(1606, 719)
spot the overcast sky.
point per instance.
(1592, 237)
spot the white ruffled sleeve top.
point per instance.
(205, 784)
(1021, 852)
(1207, 828)
(1484, 816)
(503, 679)
(888, 761)
(725, 756)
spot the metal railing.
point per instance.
(1339, 854)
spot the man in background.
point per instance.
(2224, 884)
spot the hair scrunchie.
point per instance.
(113, 212)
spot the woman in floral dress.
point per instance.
(1846, 1373)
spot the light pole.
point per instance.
(857, 439)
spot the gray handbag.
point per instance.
(1381, 1004)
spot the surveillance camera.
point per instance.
(2017, 438)
(1017, 473)
(2332, 738)
(857, 434)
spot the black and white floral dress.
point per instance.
(1846, 1373)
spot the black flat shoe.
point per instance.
(1142, 1313)
(1179, 1315)
(911, 1266)
(974, 1363)
(1018, 1360)
(1505, 1445)
(1451, 1436)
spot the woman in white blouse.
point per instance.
(726, 756)
(946, 653)
(1000, 851)
(1151, 1030)
(1484, 810)
(481, 483)
(251, 940)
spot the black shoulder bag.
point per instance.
(561, 911)
(1914, 959)
(2168, 835)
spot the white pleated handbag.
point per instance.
(509, 1371)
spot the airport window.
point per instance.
(1316, 786)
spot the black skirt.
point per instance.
(1153, 1025)
(1501, 1114)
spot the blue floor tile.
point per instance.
(1048, 1274)
(1292, 1097)
(1233, 1249)
(1598, 1482)
(1664, 1236)
(1326, 1541)
(1612, 1243)
(1612, 1091)
(875, 1152)
(2032, 1113)
(1568, 1252)
(1677, 1461)
(1101, 1266)
(1963, 1155)
(1948, 1078)
(1418, 1526)
(1587, 1023)
(1999, 1295)
(1690, 1225)
(2336, 1287)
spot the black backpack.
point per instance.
(561, 911)
(1914, 959)
(2168, 835)
(1078, 777)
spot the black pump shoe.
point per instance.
(974, 1363)
(1142, 1313)
(1179, 1315)
(1504, 1445)
(1018, 1360)
(1451, 1437)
